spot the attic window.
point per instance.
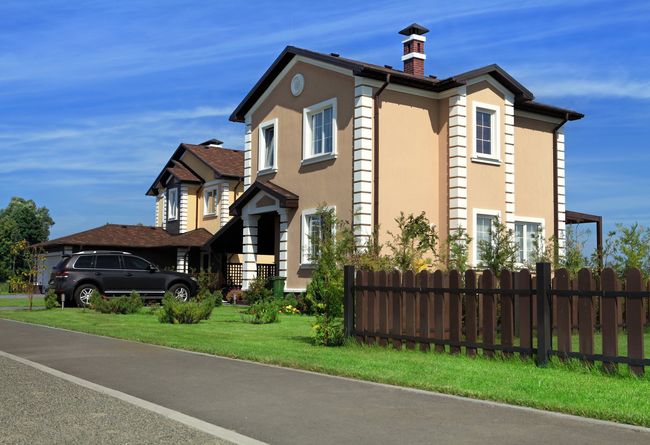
(210, 197)
(172, 204)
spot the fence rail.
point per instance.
(514, 312)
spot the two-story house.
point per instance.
(371, 141)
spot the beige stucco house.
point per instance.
(371, 141)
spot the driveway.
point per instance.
(284, 406)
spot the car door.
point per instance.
(143, 277)
(109, 273)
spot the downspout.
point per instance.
(556, 231)
(376, 153)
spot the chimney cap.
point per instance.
(211, 142)
(414, 28)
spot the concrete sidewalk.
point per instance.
(283, 406)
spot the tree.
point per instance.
(500, 251)
(626, 248)
(21, 220)
(415, 238)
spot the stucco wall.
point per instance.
(324, 182)
(409, 159)
(534, 171)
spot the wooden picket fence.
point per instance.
(479, 311)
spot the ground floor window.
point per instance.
(483, 224)
(311, 233)
(527, 237)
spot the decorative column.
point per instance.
(284, 240)
(510, 161)
(164, 209)
(159, 202)
(561, 193)
(224, 204)
(248, 153)
(182, 209)
(181, 259)
(249, 247)
(362, 171)
(458, 160)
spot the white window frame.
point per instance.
(529, 220)
(475, 215)
(305, 261)
(307, 132)
(206, 192)
(262, 168)
(172, 204)
(495, 133)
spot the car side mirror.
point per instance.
(152, 268)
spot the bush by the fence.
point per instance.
(116, 305)
(175, 311)
(328, 331)
(50, 299)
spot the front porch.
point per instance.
(255, 241)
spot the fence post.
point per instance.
(543, 313)
(348, 300)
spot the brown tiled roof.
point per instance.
(369, 70)
(226, 161)
(182, 173)
(286, 198)
(119, 235)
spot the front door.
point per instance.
(108, 270)
(142, 277)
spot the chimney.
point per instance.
(414, 56)
(212, 143)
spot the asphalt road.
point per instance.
(38, 408)
(284, 406)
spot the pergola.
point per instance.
(586, 218)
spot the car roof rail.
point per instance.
(112, 252)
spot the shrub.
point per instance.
(216, 295)
(51, 300)
(500, 251)
(116, 305)
(289, 304)
(454, 254)
(329, 331)
(262, 312)
(234, 295)
(207, 281)
(415, 238)
(257, 291)
(175, 311)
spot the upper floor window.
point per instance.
(172, 204)
(528, 236)
(486, 132)
(319, 123)
(268, 144)
(210, 197)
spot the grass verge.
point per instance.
(21, 302)
(570, 388)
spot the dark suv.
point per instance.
(116, 273)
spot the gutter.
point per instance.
(375, 212)
(556, 231)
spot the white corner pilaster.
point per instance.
(458, 160)
(284, 242)
(249, 247)
(164, 209)
(181, 259)
(224, 204)
(183, 209)
(510, 161)
(248, 153)
(159, 202)
(363, 157)
(561, 193)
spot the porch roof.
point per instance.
(285, 198)
(228, 238)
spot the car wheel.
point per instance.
(180, 292)
(82, 294)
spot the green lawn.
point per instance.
(569, 388)
(21, 302)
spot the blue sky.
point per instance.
(95, 95)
